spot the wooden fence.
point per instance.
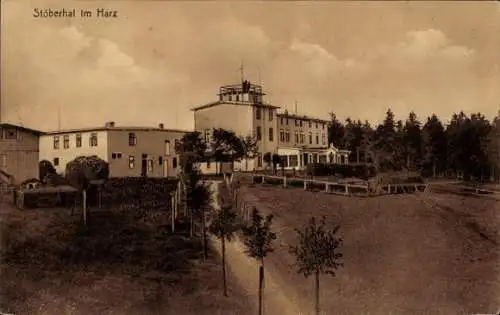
(339, 188)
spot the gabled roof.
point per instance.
(217, 103)
(21, 128)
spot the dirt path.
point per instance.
(246, 271)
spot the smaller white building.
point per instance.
(298, 158)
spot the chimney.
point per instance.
(161, 126)
(109, 124)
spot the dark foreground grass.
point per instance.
(117, 264)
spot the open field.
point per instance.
(117, 265)
(404, 254)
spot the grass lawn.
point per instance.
(118, 264)
(404, 254)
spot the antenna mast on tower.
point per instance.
(242, 74)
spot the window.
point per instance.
(93, 139)
(296, 137)
(177, 144)
(150, 165)
(237, 98)
(167, 147)
(323, 125)
(296, 123)
(259, 160)
(302, 137)
(66, 141)
(56, 161)
(317, 138)
(132, 139)
(208, 164)
(300, 123)
(10, 134)
(282, 120)
(282, 135)
(56, 142)
(271, 114)
(131, 161)
(78, 140)
(323, 138)
(257, 113)
(259, 133)
(160, 160)
(310, 124)
(271, 134)
(310, 137)
(316, 125)
(230, 97)
(287, 135)
(3, 160)
(174, 162)
(118, 155)
(294, 160)
(113, 155)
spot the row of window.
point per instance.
(300, 123)
(131, 160)
(78, 141)
(132, 140)
(300, 137)
(259, 134)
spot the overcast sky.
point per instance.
(158, 59)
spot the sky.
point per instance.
(158, 59)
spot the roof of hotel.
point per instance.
(303, 117)
(7, 125)
(216, 103)
(116, 128)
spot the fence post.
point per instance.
(173, 212)
(326, 187)
(84, 196)
(263, 179)
(389, 189)
(305, 184)
(346, 189)
(284, 181)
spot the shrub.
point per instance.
(45, 168)
(84, 169)
(363, 171)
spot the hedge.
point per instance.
(145, 191)
(362, 171)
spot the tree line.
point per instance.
(467, 145)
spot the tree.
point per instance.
(258, 241)
(335, 131)
(412, 139)
(317, 252)
(223, 226)
(276, 159)
(353, 138)
(250, 148)
(81, 171)
(493, 147)
(434, 144)
(226, 146)
(267, 158)
(45, 168)
(191, 149)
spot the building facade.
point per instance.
(299, 140)
(19, 153)
(130, 151)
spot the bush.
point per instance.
(150, 192)
(45, 168)
(362, 171)
(84, 169)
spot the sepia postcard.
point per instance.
(249, 157)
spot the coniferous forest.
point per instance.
(467, 146)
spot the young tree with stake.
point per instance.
(317, 252)
(258, 239)
(224, 226)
